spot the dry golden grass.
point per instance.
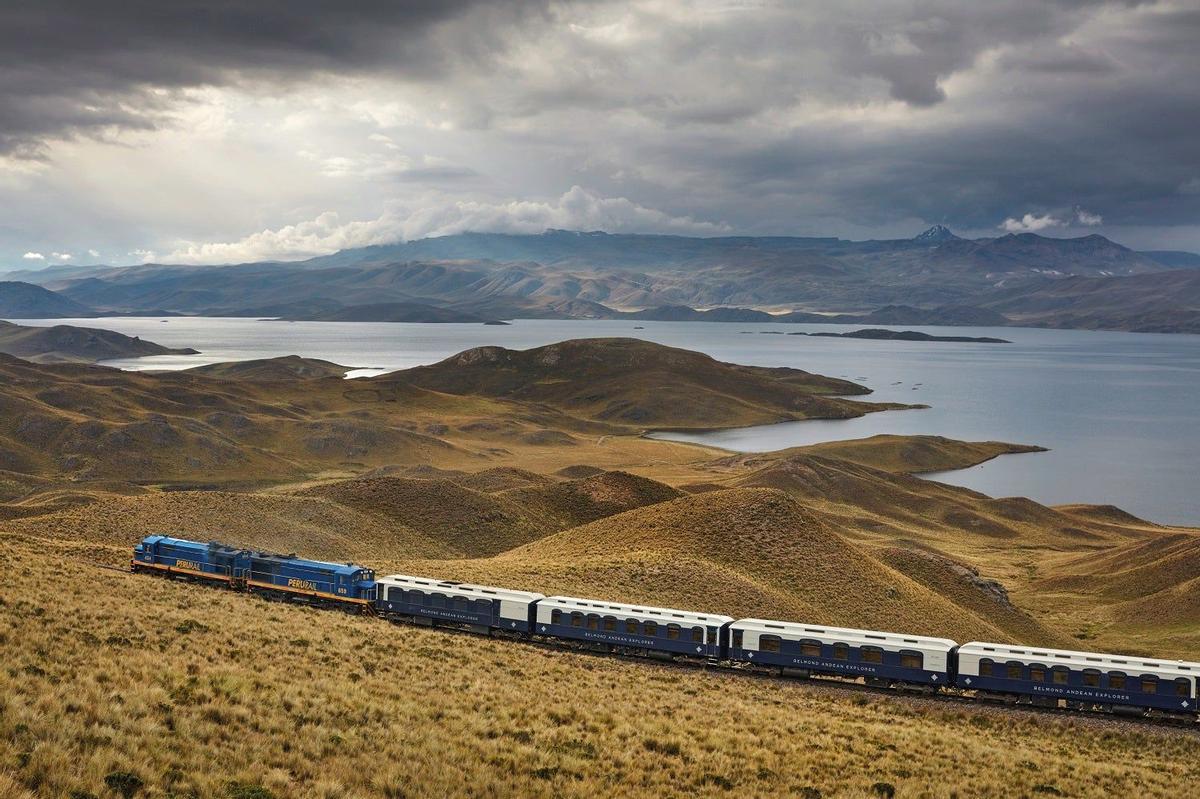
(202, 692)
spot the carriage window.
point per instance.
(841, 652)
(1149, 685)
(416, 597)
(737, 639)
(1061, 676)
(593, 621)
(650, 628)
(483, 606)
(912, 660)
(871, 654)
(1091, 678)
(556, 616)
(610, 623)
(810, 649)
(697, 635)
(631, 625)
(673, 632)
(712, 636)
(1116, 680)
(985, 668)
(576, 619)
(770, 643)
(1037, 673)
(1013, 671)
(1183, 687)
(395, 594)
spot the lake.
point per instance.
(1119, 411)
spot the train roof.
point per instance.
(846, 634)
(1087, 660)
(449, 586)
(347, 569)
(600, 605)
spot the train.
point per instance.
(1022, 675)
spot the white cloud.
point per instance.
(94, 253)
(61, 256)
(1031, 223)
(143, 255)
(33, 256)
(577, 209)
(1087, 218)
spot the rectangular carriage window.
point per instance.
(556, 616)
(1183, 687)
(1149, 685)
(811, 649)
(770, 643)
(697, 635)
(985, 668)
(1116, 680)
(1013, 670)
(416, 598)
(631, 626)
(673, 632)
(576, 619)
(712, 636)
(593, 621)
(1091, 678)
(870, 654)
(1061, 675)
(737, 639)
(841, 652)
(912, 660)
(650, 629)
(610, 624)
(1037, 673)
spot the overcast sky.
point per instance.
(194, 132)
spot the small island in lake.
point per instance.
(906, 335)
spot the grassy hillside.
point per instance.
(178, 690)
(69, 344)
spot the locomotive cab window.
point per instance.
(871, 654)
(912, 660)
(770, 643)
(811, 649)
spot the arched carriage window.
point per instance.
(770, 643)
(593, 621)
(810, 648)
(416, 597)
(1061, 675)
(673, 632)
(737, 639)
(871, 654)
(697, 635)
(556, 616)
(1037, 672)
(650, 628)
(912, 660)
(610, 623)
(1012, 670)
(576, 619)
(631, 625)
(1183, 687)
(1091, 678)
(985, 667)
(1149, 684)
(841, 652)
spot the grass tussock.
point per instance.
(124, 685)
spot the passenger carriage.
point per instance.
(482, 607)
(1080, 679)
(879, 657)
(641, 629)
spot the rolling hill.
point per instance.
(68, 344)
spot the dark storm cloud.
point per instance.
(71, 66)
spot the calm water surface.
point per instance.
(1120, 411)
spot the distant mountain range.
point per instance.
(933, 278)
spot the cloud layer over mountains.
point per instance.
(220, 130)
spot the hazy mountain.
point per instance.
(27, 301)
(598, 275)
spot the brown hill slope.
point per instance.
(741, 551)
(640, 384)
(575, 502)
(68, 344)
(287, 367)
